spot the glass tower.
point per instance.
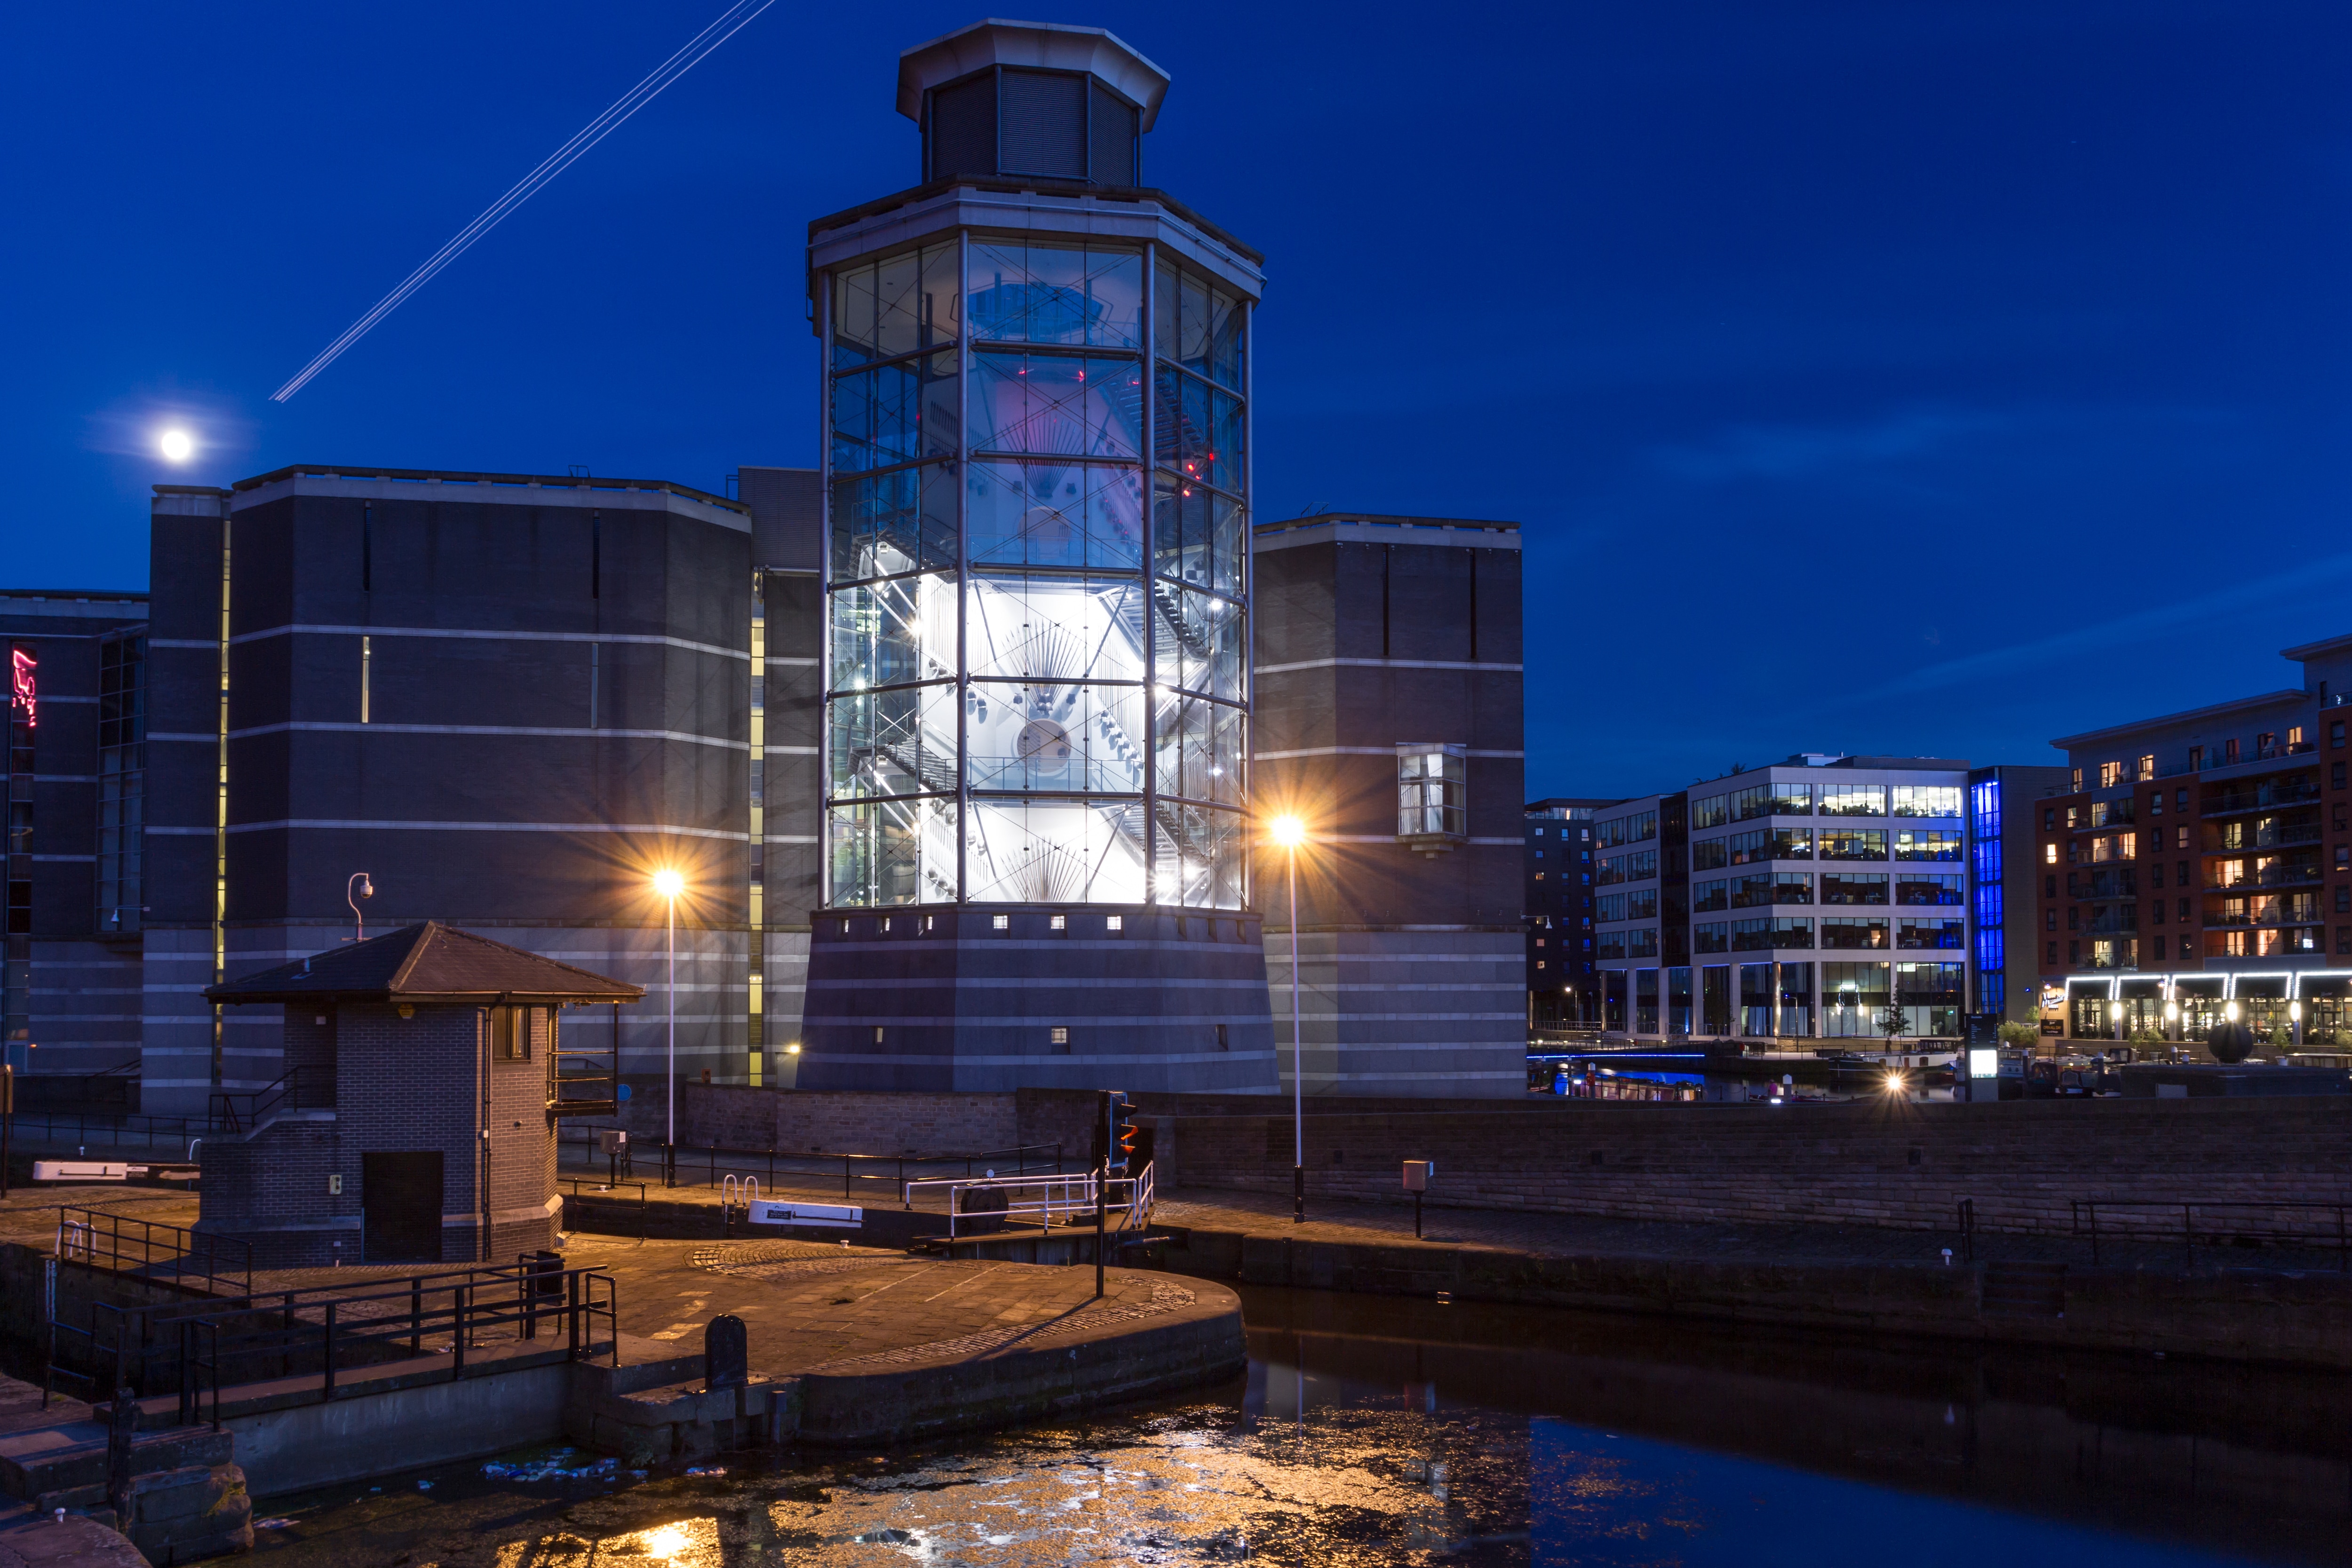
(1036, 445)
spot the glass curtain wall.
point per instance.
(1038, 655)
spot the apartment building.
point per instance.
(1563, 989)
(2203, 857)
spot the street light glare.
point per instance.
(668, 884)
(1288, 831)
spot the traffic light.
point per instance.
(1127, 1136)
(1119, 1129)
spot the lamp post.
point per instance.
(669, 884)
(2295, 1011)
(356, 887)
(1289, 832)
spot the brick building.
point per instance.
(426, 1073)
(1391, 716)
(2201, 859)
(76, 723)
(1563, 990)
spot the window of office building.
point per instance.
(1854, 886)
(1927, 844)
(1920, 931)
(1853, 844)
(1709, 897)
(1777, 931)
(1926, 800)
(1710, 854)
(1642, 941)
(1711, 936)
(1793, 800)
(1713, 812)
(1854, 800)
(1855, 999)
(1927, 887)
(1792, 887)
(1853, 930)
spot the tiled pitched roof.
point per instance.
(428, 962)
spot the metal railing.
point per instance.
(298, 1089)
(2256, 799)
(116, 1243)
(189, 1347)
(1063, 1197)
(2259, 1226)
(718, 1164)
(580, 1195)
(106, 1130)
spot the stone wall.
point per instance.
(1904, 1166)
(859, 1122)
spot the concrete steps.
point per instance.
(64, 1465)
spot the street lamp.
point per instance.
(1289, 832)
(356, 887)
(669, 884)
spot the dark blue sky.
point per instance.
(1870, 376)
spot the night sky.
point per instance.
(1930, 379)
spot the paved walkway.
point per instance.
(806, 1306)
(1552, 1235)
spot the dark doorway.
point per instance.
(400, 1199)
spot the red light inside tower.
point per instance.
(22, 686)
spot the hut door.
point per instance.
(400, 1200)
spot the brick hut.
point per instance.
(416, 1122)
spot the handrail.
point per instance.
(143, 1342)
(719, 1163)
(102, 1240)
(2083, 1210)
(610, 1186)
(1079, 1194)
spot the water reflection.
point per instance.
(1373, 1431)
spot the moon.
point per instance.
(176, 444)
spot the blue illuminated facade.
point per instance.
(1985, 873)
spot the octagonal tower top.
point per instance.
(1037, 98)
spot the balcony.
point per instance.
(2297, 791)
(2271, 920)
(2270, 837)
(2269, 877)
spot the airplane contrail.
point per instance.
(729, 22)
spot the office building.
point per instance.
(1391, 710)
(1037, 598)
(1825, 897)
(2202, 857)
(1563, 989)
(502, 700)
(76, 731)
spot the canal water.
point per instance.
(1372, 1430)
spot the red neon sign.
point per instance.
(22, 686)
